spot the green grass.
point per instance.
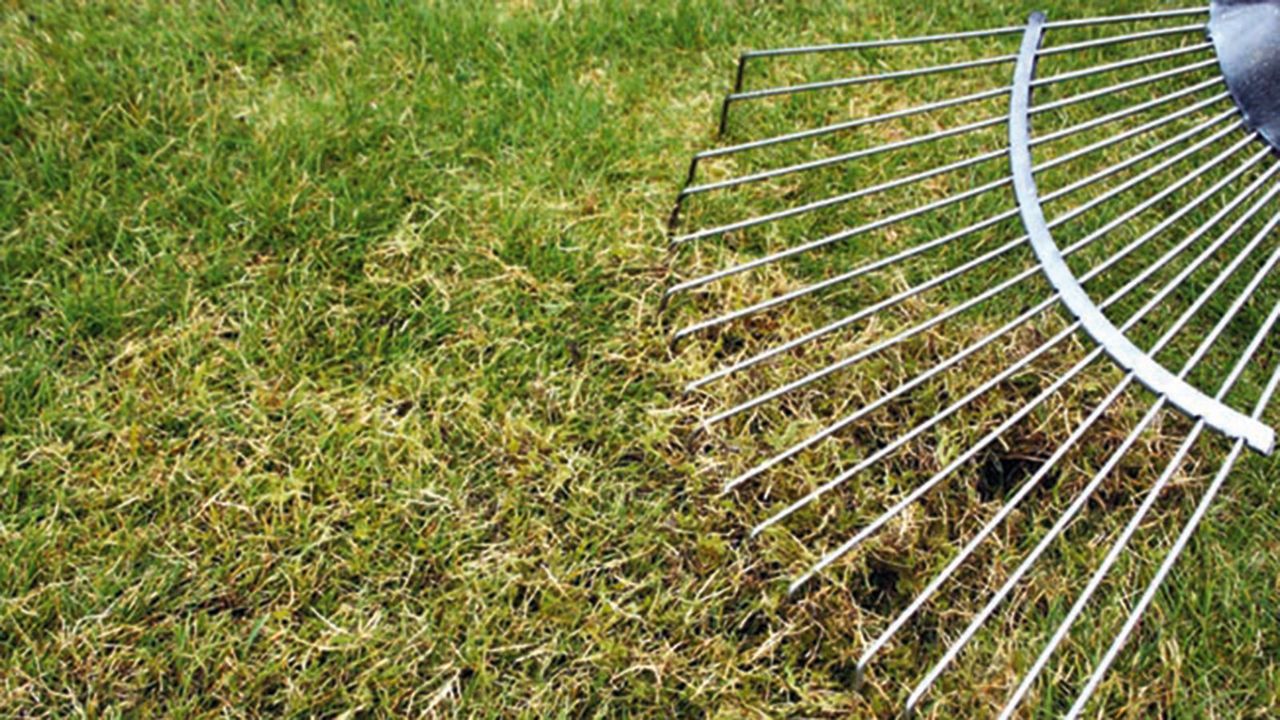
(332, 381)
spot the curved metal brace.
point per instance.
(1128, 356)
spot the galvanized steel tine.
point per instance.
(941, 475)
(954, 649)
(864, 79)
(1166, 565)
(1022, 319)
(844, 125)
(972, 34)
(739, 96)
(740, 73)
(955, 272)
(930, 107)
(691, 190)
(895, 218)
(1128, 17)
(921, 248)
(839, 199)
(1203, 175)
(969, 162)
(1120, 65)
(1118, 39)
(1126, 85)
(1167, 257)
(1121, 542)
(1082, 429)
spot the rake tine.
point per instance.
(964, 457)
(920, 249)
(839, 199)
(842, 235)
(1122, 542)
(941, 134)
(864, 79)
(954, 649)
(1184, 537)
(954, 67)
(886, 42)
(972, 545)
(1134, 131)
(689, 190)
(858, 357)
(974, 34)
(1118, 39)
(1127, 112)
(977, 159)
(842, 47)
(850, 124)
(1075, 212)
(870, 310)
(970, 64)
(938, 105)
(1235, 202)
(920, 490)
(967, 162)
(726, 103)
(824, 162)
(837, 159)
(954, 36)
(1126, 85)
(1020, 320)
(1153, 200)
(1026, 316)
(1130, 17)
(739, 95)
(737, 86)
(830, 282)
(1174, 465)
(892, 219)
(1216, 178)
(1007, 509)
(919, 601)
(885, 399)
(1120, 65)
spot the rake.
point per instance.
(1029, 256)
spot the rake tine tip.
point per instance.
(673, 220)
(724, 115)
(799, 583)
(742, 67)
(694, 436)
(690, 388)
(693, 171)
(673, 346)
(664, 301)
(736, 482)
(682, 333)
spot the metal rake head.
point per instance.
(987, 262)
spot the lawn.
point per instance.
(333, 382)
